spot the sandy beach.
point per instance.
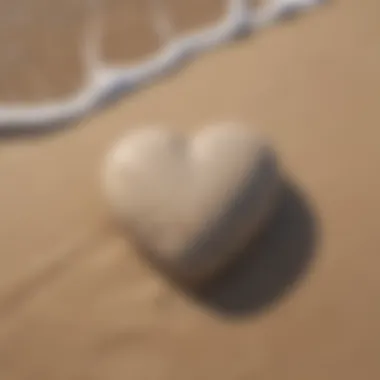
(77, 303)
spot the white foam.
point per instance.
(106, 83)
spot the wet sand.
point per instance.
(76, 302)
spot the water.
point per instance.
(106, 83)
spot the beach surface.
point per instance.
(77, 302)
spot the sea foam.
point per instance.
(107, 83)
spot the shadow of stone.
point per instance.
(269, 265)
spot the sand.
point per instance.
(76, 302)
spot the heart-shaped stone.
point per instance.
(192, 202)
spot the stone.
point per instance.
(191, 203)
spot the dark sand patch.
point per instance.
(41, 47)
(190, 15)
(129, 33)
